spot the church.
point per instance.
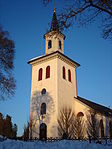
(54, 86)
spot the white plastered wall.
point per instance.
(50, 85)
(81, 107)
(66, 89)
(55, 43)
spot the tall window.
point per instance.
(43, 109)
(40, 74)
(49, 44)
(64, 74)
(43, 131)
(101, 129)
(59, 44)
(47, 72)
(110, 129)
(69, 75)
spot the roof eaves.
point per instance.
(37, 58)
(58, 32)
(99, 108)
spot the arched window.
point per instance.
(47, 72)
(101, 128)
(49, 44)
(80, 114)
(64, 73)
(110, 129)
(69, 75)
(43, 131)
(59, 44)
(40, 74)
(43, 109)
(43, 91)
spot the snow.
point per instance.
(36, 58)
(64, 144)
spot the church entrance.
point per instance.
(43, 131)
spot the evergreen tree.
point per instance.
(8, 127)
(1, 124)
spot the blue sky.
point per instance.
(27, 21)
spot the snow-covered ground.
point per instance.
(64, 144)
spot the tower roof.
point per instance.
(54, 23)
(54, 26)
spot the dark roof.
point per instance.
(97, 107)
(32, 60)
(54, 23)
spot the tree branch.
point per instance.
(100, 8)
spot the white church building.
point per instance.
(54, 86)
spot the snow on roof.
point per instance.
(36, 58)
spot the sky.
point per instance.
(27, 22)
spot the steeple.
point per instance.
(54, 23)
(54, 38)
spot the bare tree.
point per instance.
(79, 124)
(36, 117)
(14, 131)
(86, 12)
(7, 82)
(66, 123)
(26, 131)
(92, 125)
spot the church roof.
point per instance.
(53, 54)
(97, 107)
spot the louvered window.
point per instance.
(47, 72)
(64, 74)
(40, 74)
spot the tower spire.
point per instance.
(54, 23)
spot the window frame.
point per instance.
(64, 72)
(49, 44)
(110, 129)
(80, 114)
(69, 75)
(43, 92)
(47, 72)
(59, 43)
(101, 127)
(40, 74)
(43, 108)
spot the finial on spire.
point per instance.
(54, 9)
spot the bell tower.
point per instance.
(53, 85)
(54, 38)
